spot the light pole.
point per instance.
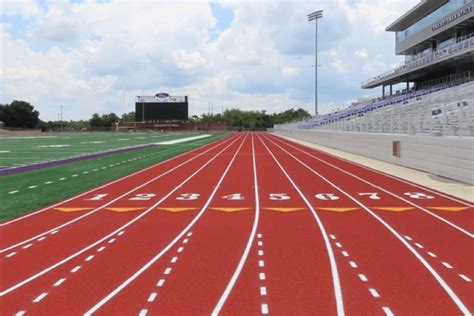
(62, 130)
(315, 16)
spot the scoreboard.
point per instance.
(161, 107)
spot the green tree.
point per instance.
(19, 114)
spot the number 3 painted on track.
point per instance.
(419, 195)
(188, 196)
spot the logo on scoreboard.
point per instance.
(162, 95)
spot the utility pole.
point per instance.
(62, 129)
(315, 16)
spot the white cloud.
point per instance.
(89, 55)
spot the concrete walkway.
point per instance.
(452, 187)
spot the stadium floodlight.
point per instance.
(315, 16)
(62, 130)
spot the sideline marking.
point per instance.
(182, 140)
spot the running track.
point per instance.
(251, 224)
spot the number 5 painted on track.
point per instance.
(371, 195)
(278, 196)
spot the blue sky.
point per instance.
(95, 56)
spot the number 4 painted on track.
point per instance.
(234, 197)
(371, 195)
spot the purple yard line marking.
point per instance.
(53, 163)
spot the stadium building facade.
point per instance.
(437, 39)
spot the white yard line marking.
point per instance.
(75, 269)
(59, 282)
(374, 293)
(13, 192)
(40, 297)
(90, 258)
(465, 278)
(264, 309)
(263, 291)
(167, 271)
(11, 254)
(152, 297)
(447, 265)
(48, 182)
(160, 283)
(32, 186)
(353, 264)
(363, 277)
(388, 311)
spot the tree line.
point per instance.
(21, 114)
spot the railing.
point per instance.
(468, 42)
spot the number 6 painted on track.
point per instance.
(327, 196)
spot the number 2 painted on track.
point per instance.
(97, 197)
(143, 197)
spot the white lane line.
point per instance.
(185, 241)
(261, 263)
(90, 258)
(101, 248)
(388, 311)
(465, 278)
(75, 269)
(353, 264)
(11, 254)
(111, 240)
(41, 238)
(160, 283)
(419, 245)
(332, 237)
(432, 254)
(332, 260)
(263, 290)
(40, 297)
(447, 265)
(143, 312)
(374, 293)
(260, 252)
(167, 271)
(121, 233)
(338, 245)
(152, 297)
(408, 237)
(180, 249)
(27, 246)
(260, 244)
(363, 277)
(264, 309)
(345, 253)
(189, 234)
(13, 192)
(32, 186)
(262, 276)
(174, 259)
(147, 265)
(59, 282)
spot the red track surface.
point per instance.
(252, 224)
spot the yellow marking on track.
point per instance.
(394, 208)
(285, 209)
(449, 208)
(73, 209)
(177, 209)
(337, 209)
(230, 209)
(125, 209)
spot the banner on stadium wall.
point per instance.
(160, 97)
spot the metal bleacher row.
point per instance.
(445, 109)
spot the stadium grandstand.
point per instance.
(437, 39)
(431, 116)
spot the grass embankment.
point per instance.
(24, 192)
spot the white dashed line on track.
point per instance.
(167, 271)
(75, 269)
(260, 252)
(262, 276)
(41, 238)
(27, 246)
(338, 245)
(260, 244)
(89, 258)
(388, 311)
(362, 277)
(189, 234)
(345, 253)
(264, 309)
(160, 283)
(419, 245)
(185, 241)
(121, 233)
(353, 264)
(259, 235)
(180, 249)
(261, 263)
(332, 237)
(143, 312)
(431, 254)
(59, 282)
(101, 249)
(465, 278)
(374, 293)
(111, 240)
(20, 313)
(11, 254)
(174, 259)
(53, 232)
(263, 291)
(407, 237)
(152, 297)
(447, 265)
(40, 297)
